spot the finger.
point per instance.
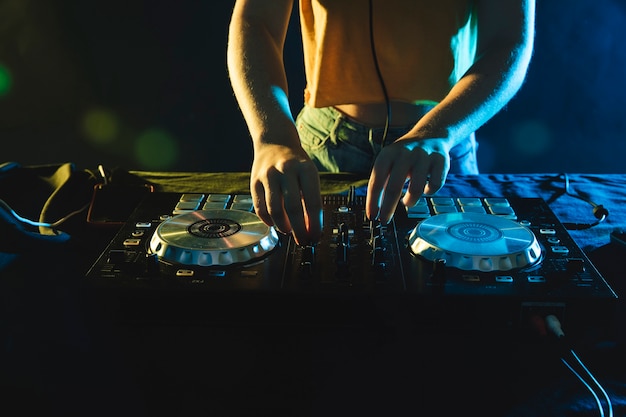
(439, 167)
(292, 200)
(275, 204)
(312, 200)
(375, 188)
(392, 192)
(417, 183)
(260, 206)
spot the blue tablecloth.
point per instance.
(609, 190)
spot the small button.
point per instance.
(472, 201)
(564, 250)
(243, 206)
(442, 201)
(501, 210)
(191, 197)
(418, 211)
(214, 205)
(243, 198)
(444, 209)
(187, 205)
(218, 198)
(473, 209)
(497, 202)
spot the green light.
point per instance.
(100, 126)
(156, 149)
(5, 81)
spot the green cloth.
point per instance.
(234, 182)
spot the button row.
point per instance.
(192, 201)
(429, 206)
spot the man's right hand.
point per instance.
(285, 188)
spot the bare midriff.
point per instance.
(375, 114)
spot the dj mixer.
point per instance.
(474, 261)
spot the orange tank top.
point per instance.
(422, 48)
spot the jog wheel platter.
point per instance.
(471, 241)
(213, 237)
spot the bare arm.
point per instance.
(284, 182)
(505, 43)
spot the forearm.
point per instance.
(481, 93)
(259, 82)
(506, 34)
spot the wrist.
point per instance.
(268, 138)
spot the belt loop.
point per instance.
(373, 141)
(333, 130)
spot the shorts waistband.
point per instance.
(332, 120)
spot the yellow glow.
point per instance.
(100, 126)
(156, 149)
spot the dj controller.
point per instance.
(473, 261)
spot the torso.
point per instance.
(375, 114)
(422, 49)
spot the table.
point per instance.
(63, 356)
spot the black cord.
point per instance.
(584, 375)
(599, 211)
(378, 73)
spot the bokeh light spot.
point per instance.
(100, 126)
(156, 149)
(531, 137)
(5, 81)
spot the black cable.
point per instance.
(586, 384)
(599, 211)
(595, 381)
(554, 326)
(379, 73)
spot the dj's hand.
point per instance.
(425, 162)
(285, 188)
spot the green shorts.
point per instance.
(336, 143)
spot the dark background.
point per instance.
(142, 85)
